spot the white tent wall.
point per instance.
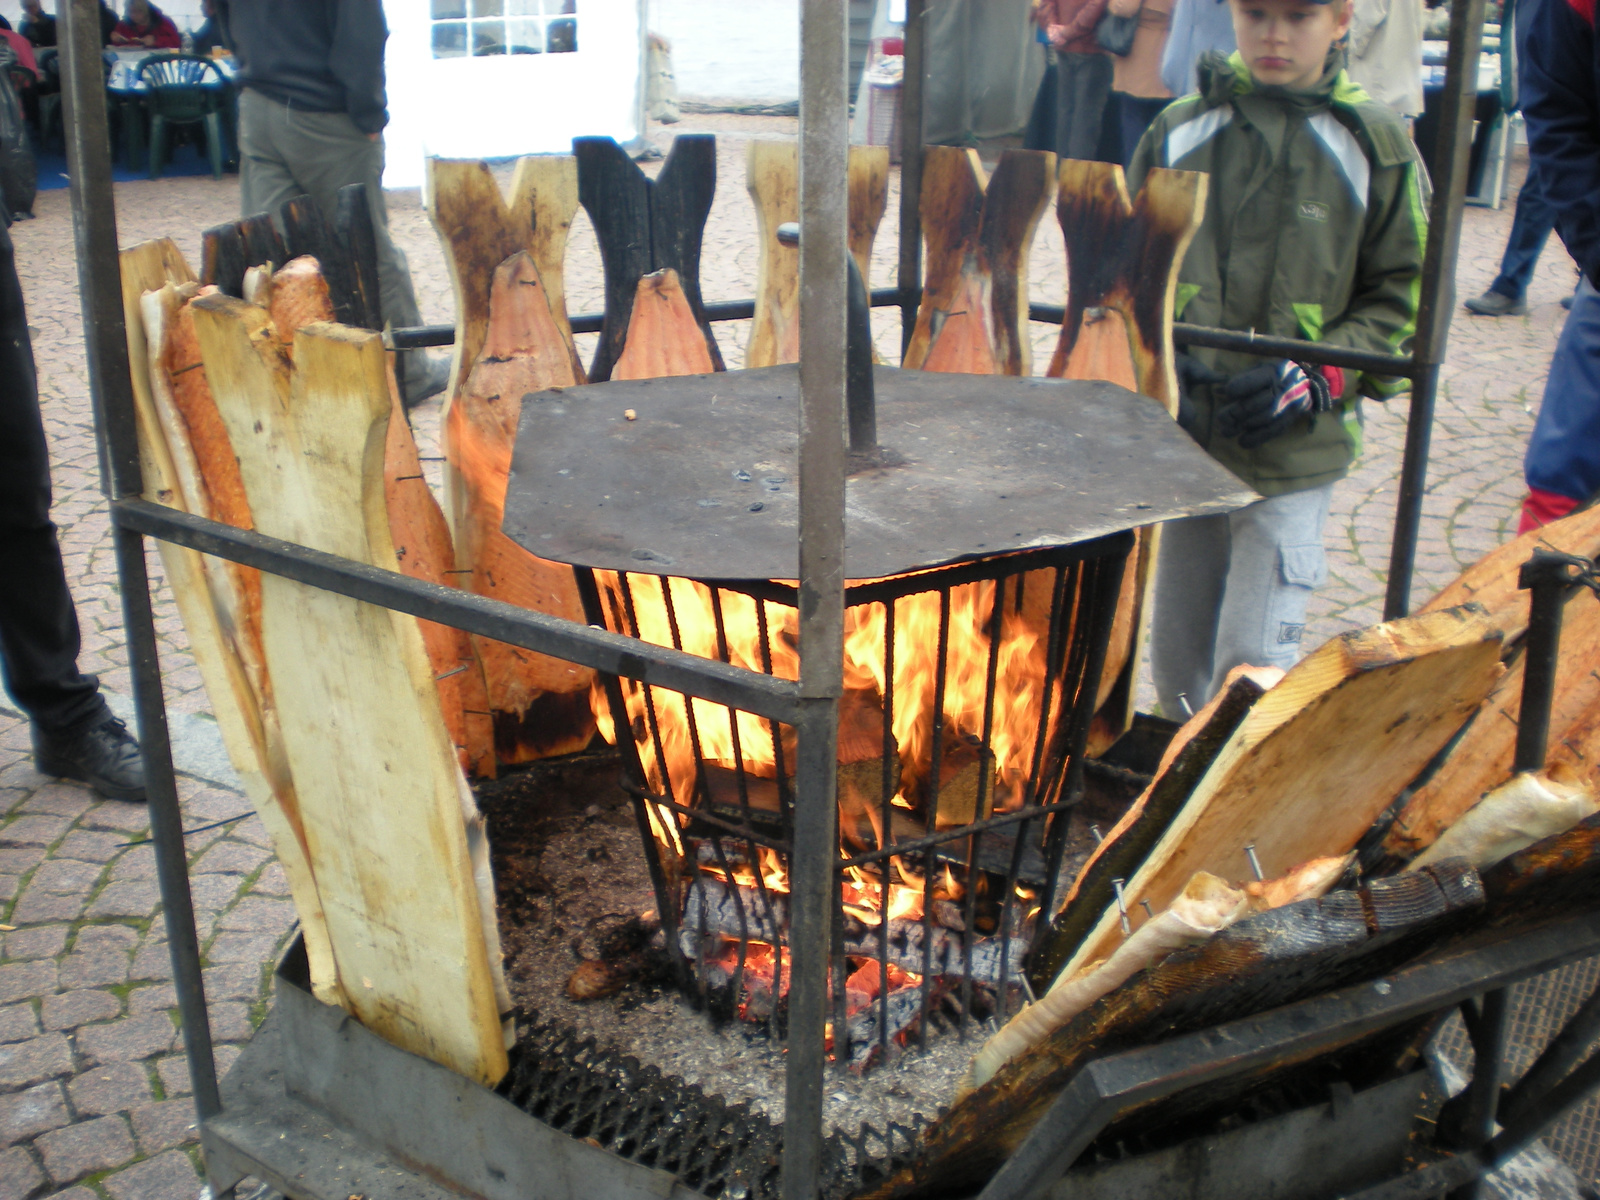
(503, 105)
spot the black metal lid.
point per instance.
(704, 481)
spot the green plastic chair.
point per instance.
(184, 89)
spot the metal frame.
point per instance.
(810, 704)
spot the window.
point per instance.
(484, 27)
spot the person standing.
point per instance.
(1314, 227)
(1083, 74)
(1385, 53)
(1561, 104)
(74, 734)
(1534, 218)
(1137, 93)
(311, 119)
(1197, 28)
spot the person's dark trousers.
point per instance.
(1530, 226)
(1134, 114)
(1041, 131)
(1083, 87)
(38, 625)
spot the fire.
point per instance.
(763, 636)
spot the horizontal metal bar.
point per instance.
(895, 849)
(1108, 1086)
(571, 641)
(417, 337)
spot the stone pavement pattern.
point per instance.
(93, 1083)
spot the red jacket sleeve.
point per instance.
(167, 37)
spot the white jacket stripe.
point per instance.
(1346, 151)
(1186, 137)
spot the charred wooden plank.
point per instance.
(222, 259)
(352, 227)
(262, 242)
(1262, 962)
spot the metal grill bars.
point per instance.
(704, 818)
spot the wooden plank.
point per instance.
(262, 242)
(772, 177)
(1492, 580)
(352, 226)
(1262, 962)
(380, 791)
(480, 228)
(1123, 258)
(663, 336)
(1321, 755)
(646, 225)
(307, 232)
(540, 704)
(1481, 759)
(978, 232)
(248, 728)
(222, 262)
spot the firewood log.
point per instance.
(772, 177)
(238, 690)
(1322, 755)
(1123, 257)
(663, 336)
(1481, 758)
(394, 866)
(540, 704)
(1258, 963)
(974, 313)
(966, 784)
(1492, 580)
(1131, 840)
(1532, 806)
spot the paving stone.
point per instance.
(71, 1009)
(18, 1022)
(17, 861)
(242, 947)
(37, 907)
(233, 981)
(89, 845)
(211, 893)
(255, 913)
(157, 997)
(38, 941)
(271, 882)
(34, 1111)
(152, 962)
(21, 981)
(60, 799)
(110, 1088)
(20, 1175)
(230, 1022)
(78, 1193)
(23, 1064)
(232, 858)
(84, 1148)
(131, 898)
(117, 816)
(163, 1177)
(93, 968)
(164, 1125)
(127, 1040)
(174, 1071)
(106, 937)
(35, 830)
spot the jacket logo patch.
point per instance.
(1313, 210)
(1290, 634)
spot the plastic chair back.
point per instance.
(184, 88)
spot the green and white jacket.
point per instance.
(1314, 227)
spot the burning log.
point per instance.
(967, 781)
(1258, 963)
(1481, 758)
(1287, 780)
(772, 177)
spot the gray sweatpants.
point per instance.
(286, 152)
(1232, 590)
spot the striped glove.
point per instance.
(1265, 402)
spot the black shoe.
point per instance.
(422, 377)
(1495, 304)
(102, 754)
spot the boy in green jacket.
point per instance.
(1314, 228)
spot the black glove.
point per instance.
(1191, 373)
(1266, 402)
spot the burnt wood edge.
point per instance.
(1169, 792)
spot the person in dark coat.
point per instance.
(74, 734)
(38, 26)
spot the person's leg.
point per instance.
(1530, 227)
(265, 177)
(1191, 572)
(1041, 131)
(1563, 457)
(1083, 86)
(1277, 561)
(1137, 112)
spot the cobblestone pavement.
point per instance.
(92, 1078)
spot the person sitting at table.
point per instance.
(209, 36)
(21, 48)
(143, 24)
(38, 26)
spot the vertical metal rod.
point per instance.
(1545, 575)
(935, 768)
(911, 129)
(94, 220)
(886, 829)
(1483, 1093)
(824, 138)
(1452, 156)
